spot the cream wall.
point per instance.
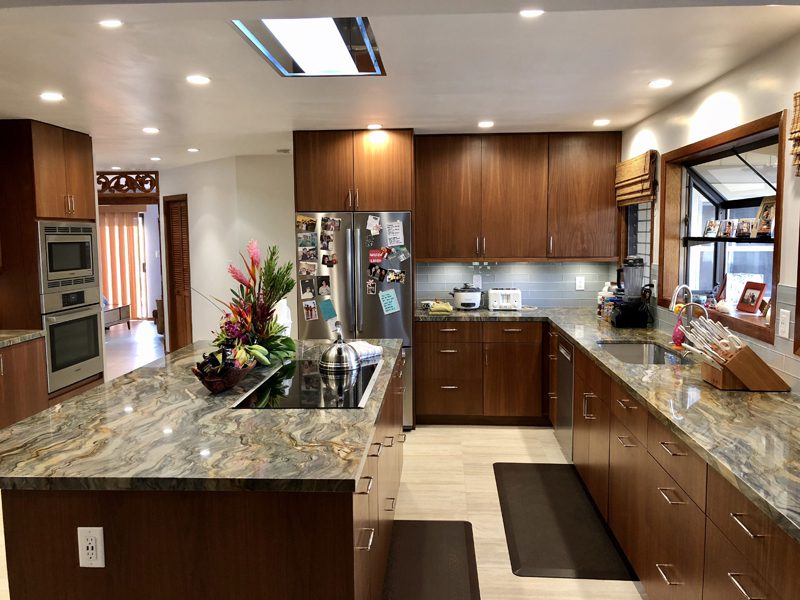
(758, 88)
(231, 201)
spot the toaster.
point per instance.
(504, 299)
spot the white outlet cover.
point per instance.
(580, 283)
(477, 280)
(91, 547)
(783, 323)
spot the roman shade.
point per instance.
(794, 134)
(635, 181)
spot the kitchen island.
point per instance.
(198, 500)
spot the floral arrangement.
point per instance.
(248, 332)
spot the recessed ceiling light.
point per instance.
(193, 149)
(660, 84)
(155, 158)
(485, 124)
(531, 13)
(600, 122)
(150, 130)
(110, 23)
(116, 168)
(51, 96)
(374, 126)
(198, 79)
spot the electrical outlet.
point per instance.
(91, 549)
(783, 323)
(580, 283)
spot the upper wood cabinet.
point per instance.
(63, 171)
(353, 170)
(582, 210)
(448, 202)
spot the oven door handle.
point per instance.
(71, 315)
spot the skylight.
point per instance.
(315, 47)
(750, 174)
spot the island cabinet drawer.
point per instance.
(688, 469)
(447, 331)
(630, 412)
(512, 331)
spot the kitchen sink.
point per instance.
(643, 353)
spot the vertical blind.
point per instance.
(121, 256)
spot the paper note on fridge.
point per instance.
(327, 310)
(394, 233)
(389, 302)
(374, 225)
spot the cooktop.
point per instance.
(299, 384)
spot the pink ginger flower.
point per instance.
(238, 275)
(254, 252)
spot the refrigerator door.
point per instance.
(323, 237)
(384, 287)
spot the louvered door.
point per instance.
(178, 271)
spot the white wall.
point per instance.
(152, 242)
(761, 87)
(230, 201)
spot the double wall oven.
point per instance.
(70, 302)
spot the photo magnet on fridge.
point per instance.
(304, 223)
(331, 224)
(327, 309)
(310, 310)
(307, 289)
(306, 240)
(374, 225)
(307, 269)
(375, 257)
(305, 254)
(401, 253)
(323, 285)
(395, 276)
(326, 241)
(329, 260)
(372, 287)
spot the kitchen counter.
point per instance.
(158, 428)
(10, 337)
(752, 439)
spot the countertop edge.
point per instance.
(19, 336)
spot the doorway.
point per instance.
(179, 279)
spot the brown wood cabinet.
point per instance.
(552, 375)
(23, 381)
(79, 168)
(686, 467)
(449, 379)
(353, 170)
(582, 209)
(512, 385)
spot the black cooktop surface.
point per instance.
(299, 384)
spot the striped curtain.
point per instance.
(121, 257)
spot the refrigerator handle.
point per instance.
(350, 261)
(359, 285)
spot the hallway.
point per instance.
(128, 350)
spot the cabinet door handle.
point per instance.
(486, 358)
(2, 366)
(66, 205)
(477, 246)
(663, 492)
(666, 445)
(624, 404)
(356, 197)
(737, 517)
(552, 357)
(391, 506)
(512, 330)
(586, 414)
(660, 568)
(349, 198)
(448, 351)
(72, 204)
(449, 387)
(738, 585)
(401, 438)
(368, 489)
(484, 246)
(368, 546)
(624, 445)
(378, 451)
(391, 441)
(551, 244)
(451, 330)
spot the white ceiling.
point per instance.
(449, 65)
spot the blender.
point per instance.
(634, 309)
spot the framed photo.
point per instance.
(750, 300)
(727, 228)
(712, 228)
(745, 228)
(766, 217)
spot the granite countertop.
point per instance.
(9, 337)
(752, 439)
(158, 428)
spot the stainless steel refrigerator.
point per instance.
(356, 268)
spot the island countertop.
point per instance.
(158, 428)
(10, 337)
(752, 439)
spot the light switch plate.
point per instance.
(783, 323)
(477, 280)
(580, 283)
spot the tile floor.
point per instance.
(128, 350)
(447, 474)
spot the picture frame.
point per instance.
(727, 228)
(751, 297)
(765, 221)
(712, 228)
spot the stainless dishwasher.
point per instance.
(563, 425)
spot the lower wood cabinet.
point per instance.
(511, 386)
(23, 381)
(449, 379)
(552, 375)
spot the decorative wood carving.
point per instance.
(127, 184)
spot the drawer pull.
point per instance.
(449, 387)
(448, 351)
(663, 492)
(401, 438)
(740, 587)
(451, 330)
(666, 579)
(514, 330)
(666, 445)
(552, 357)
(391, 441)
(624, 445)
(624, 404)
(368, 546)
(369, 486)
(391, 507)
(586, 414)
(737, 517)
(378, 451)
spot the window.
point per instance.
(640, 219)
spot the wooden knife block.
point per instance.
(745, 371)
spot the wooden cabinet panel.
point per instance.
(79, 168)
(629, 412)
(448, 196)
(688, 469)
(513, 331)
(552, 375)
(627, 490)
(449, 379)
(514, 195)
(728, 574)
(383, 164)
(323, 171)
(512, 380)
(580, 427)
(676, 540)
(49, 170)
(597, 480)
(582, 210)
(447, 331)
(23, 381)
